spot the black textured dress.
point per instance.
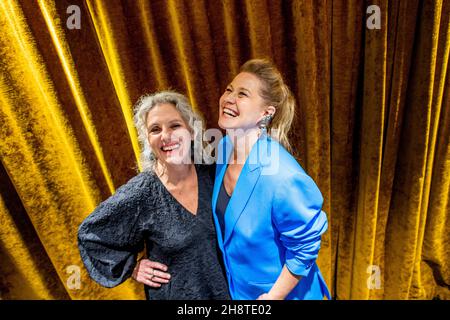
(143, 211)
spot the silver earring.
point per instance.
(265, 122)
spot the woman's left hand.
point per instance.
(269, 296)
(266, 296)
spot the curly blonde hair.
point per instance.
(147, 103)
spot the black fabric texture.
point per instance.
(222, 203)
(144, 212)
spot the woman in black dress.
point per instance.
(167, 207)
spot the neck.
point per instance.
(172, 174)
(243, 142)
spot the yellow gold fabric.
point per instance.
(372, 126)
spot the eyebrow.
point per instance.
(151, 125)
(240, 88)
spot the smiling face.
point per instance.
(241, 106)
(168, 135)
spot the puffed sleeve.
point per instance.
(298, 216)
(110, 238)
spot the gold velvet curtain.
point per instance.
(372, 127)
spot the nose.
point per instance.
(166, 135)
(230, 97)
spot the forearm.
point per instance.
(285, 283)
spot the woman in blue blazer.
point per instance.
(267, 210)
(272, 221)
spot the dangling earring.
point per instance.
(264, 123)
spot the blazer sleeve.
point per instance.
(110, 238)
(298, 216)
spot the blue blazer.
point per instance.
(274, 218)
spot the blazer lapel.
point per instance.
(245, 185)
(224, 149)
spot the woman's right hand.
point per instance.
(151, 273)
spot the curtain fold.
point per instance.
(372, 126)
(409, 206)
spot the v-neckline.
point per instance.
(178, 202)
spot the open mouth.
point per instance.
(230, 112)
(170, 147)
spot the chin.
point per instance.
(175, 161)
(225, 124)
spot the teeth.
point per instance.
(172, 147)
(229, 112)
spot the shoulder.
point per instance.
(125, 204)
(139, 182)
(282, 163)
(285, 171)
(138, 187)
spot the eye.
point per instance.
(154, 130)
(176, 125)
(228, 90)
(241, 93)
